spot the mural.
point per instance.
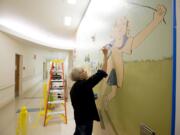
(139, 86)
(124, 43)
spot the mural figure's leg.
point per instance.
(115, 76)
(104, 85)
(103, 88)
(110, 96)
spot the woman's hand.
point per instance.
(105, 51)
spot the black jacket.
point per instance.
(82, 98)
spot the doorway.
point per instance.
(17, 75)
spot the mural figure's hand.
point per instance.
(159, 14)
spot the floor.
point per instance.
(33, 99)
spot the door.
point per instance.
(17, 75)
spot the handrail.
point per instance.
(6, 87)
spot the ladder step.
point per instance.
(56, 75)
(56, 91)
(57, 71)
(57, 80)
(58, 87)
(55, 88)
(56, 102)
(56, 113)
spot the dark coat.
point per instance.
(82, 98)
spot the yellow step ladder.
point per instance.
(56, 97)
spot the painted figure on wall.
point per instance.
(124, 43)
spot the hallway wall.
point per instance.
(145, 96)
(32, 72)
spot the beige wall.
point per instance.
(33, 72)
(178, 71)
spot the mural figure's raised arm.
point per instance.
(157, 19)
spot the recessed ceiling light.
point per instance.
(72, 1)
(67, 20)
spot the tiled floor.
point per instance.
(33, 99)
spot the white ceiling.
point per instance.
(30, 19)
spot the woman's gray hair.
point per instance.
(75, 73)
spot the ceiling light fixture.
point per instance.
(67, 20)
(123, 3)
(72, 1)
